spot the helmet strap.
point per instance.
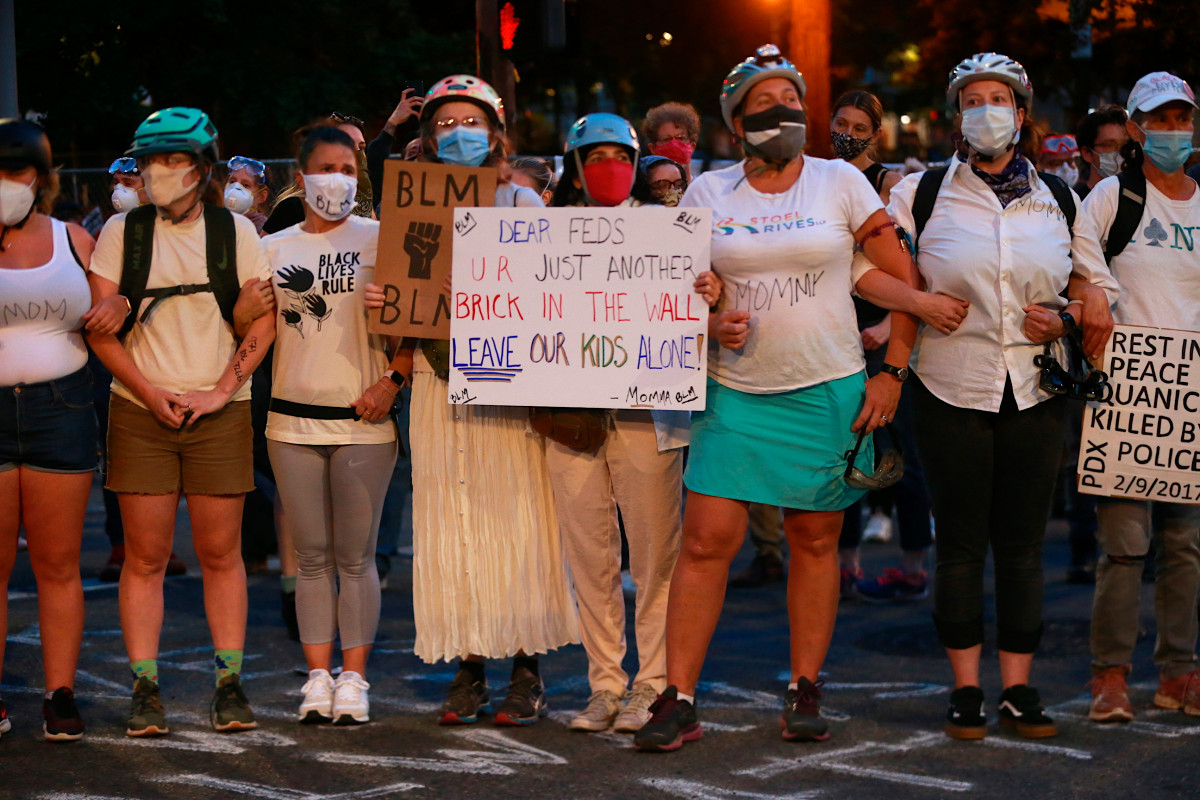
(591, 201)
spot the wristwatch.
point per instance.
(899, 373)
(394, 377)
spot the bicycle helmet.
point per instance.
(468, 88)
(176, 129)
(767, 62)
(990, 67)
(23, 144)
(602, 128)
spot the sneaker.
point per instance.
(525, 702)
(287, 610)
(230, 711)
(5, 725)
(111, 571)
(602, 708)
(1021, 712)
(763, 570)
(893, 586)
(1182, 693)
(802, 720)
(672, 722)
(878, 528)
(965, 719)
(466, 698)
(317, 706)
(62, 721)
(175, 566)
(351, 705)
(146, 716)
(1110, 696)
(849, 578)
(636, 711)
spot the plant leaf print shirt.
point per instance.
(786, 258)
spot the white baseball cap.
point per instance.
(1152, 90)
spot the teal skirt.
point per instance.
(785, 449)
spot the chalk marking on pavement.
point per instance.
(202, 741)
(501, 752)
(96, 679)
(754, 698)
(693, 790)
(31, 635)
(1034, 747)
(269, 792)
(885, 691)
(72, 796)
(10, 689)
(1159, 729)
(89, 585)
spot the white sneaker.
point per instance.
(350, 704)
(636, 712)
(602, 708)
(879, 528)
(318, 698)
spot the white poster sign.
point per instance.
(1144, 443)
(579, 307)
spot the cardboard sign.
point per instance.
(1144, 443)
(579, 307)
(415, 234)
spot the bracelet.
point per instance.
(877, 230)
(128, 305)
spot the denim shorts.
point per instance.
(49, 426)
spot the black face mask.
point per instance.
(776, 135)
(847, 147)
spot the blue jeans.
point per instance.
(49, 426)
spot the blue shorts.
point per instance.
(50, 426)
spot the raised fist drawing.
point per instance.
(421, 243)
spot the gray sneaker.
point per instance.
(602, 708)
(230, 710)
(146, 716)
(636, 712)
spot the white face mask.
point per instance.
(238, 198)
(165, 185)
(16, 199)
(1068, 172)
(989, 129)
(1108, 164)
(330, 194)
(125, 198)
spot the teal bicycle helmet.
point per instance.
(602, 128)
(767, 62)
(175, 130)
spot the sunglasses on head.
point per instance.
(889, 470)
(125, 165)
(253, 166)
(347, 119)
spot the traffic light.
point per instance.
(531, 28)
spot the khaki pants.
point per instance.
(629, 472)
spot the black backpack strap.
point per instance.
(1131, 202)
(220, 243)
(135, 266)
(925, 197)
(1062, 195)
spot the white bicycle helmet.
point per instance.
(990, 67)
(767, 62)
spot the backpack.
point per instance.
(220, 244)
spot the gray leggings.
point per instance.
(333, 496)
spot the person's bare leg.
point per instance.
(149, 521)
(965, 664)
(813, 586)
(1015, 668)
(354, 659)
(10, 526)
(217, 535)
(318, 656)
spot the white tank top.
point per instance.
(41, 312)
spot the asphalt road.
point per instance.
(886, 688)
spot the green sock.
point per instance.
(227, 662)
(288, 582)
(145, 668)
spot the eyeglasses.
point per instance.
(888, 472)
(680, 138)
(172, 160)
(125, 165)
(253, 166)
(447, 123)
(347, 119)
(664, 185)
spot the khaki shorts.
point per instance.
(213, 456)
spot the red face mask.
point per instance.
(677, 151)
(609, 181)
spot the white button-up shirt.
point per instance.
(1000, 260)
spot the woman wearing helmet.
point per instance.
(633, 461)
(992, 481)
(488, 573)
(179, 421)
(785, 394)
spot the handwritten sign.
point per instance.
(579, 307)
(1144, 443)
(416, 221)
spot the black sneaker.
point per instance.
(5, 725)
(146, 716)
(466, 698)
(525, 702)
(230, 710)
(672, 722)
(763, 570)
(965, 719)
(1021, 713)
(62, 720)
(802, 720)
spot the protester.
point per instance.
(666, 179)
(1100, 136)
(672, 130)
(399, 122)
(1158, 289)
(989, 436)
(248, 190)
(785, 390)
(536, 174)
(180, 418)
(1058, 157)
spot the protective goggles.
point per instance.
(125, 165)
(256, 168)
(1092, 384)
(1060, 146)
(888, 471)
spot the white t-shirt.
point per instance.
(185, 345)
(323, 353)
(786, 258)
(1159, 269)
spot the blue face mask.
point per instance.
(1168, 150)
(466, 147)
